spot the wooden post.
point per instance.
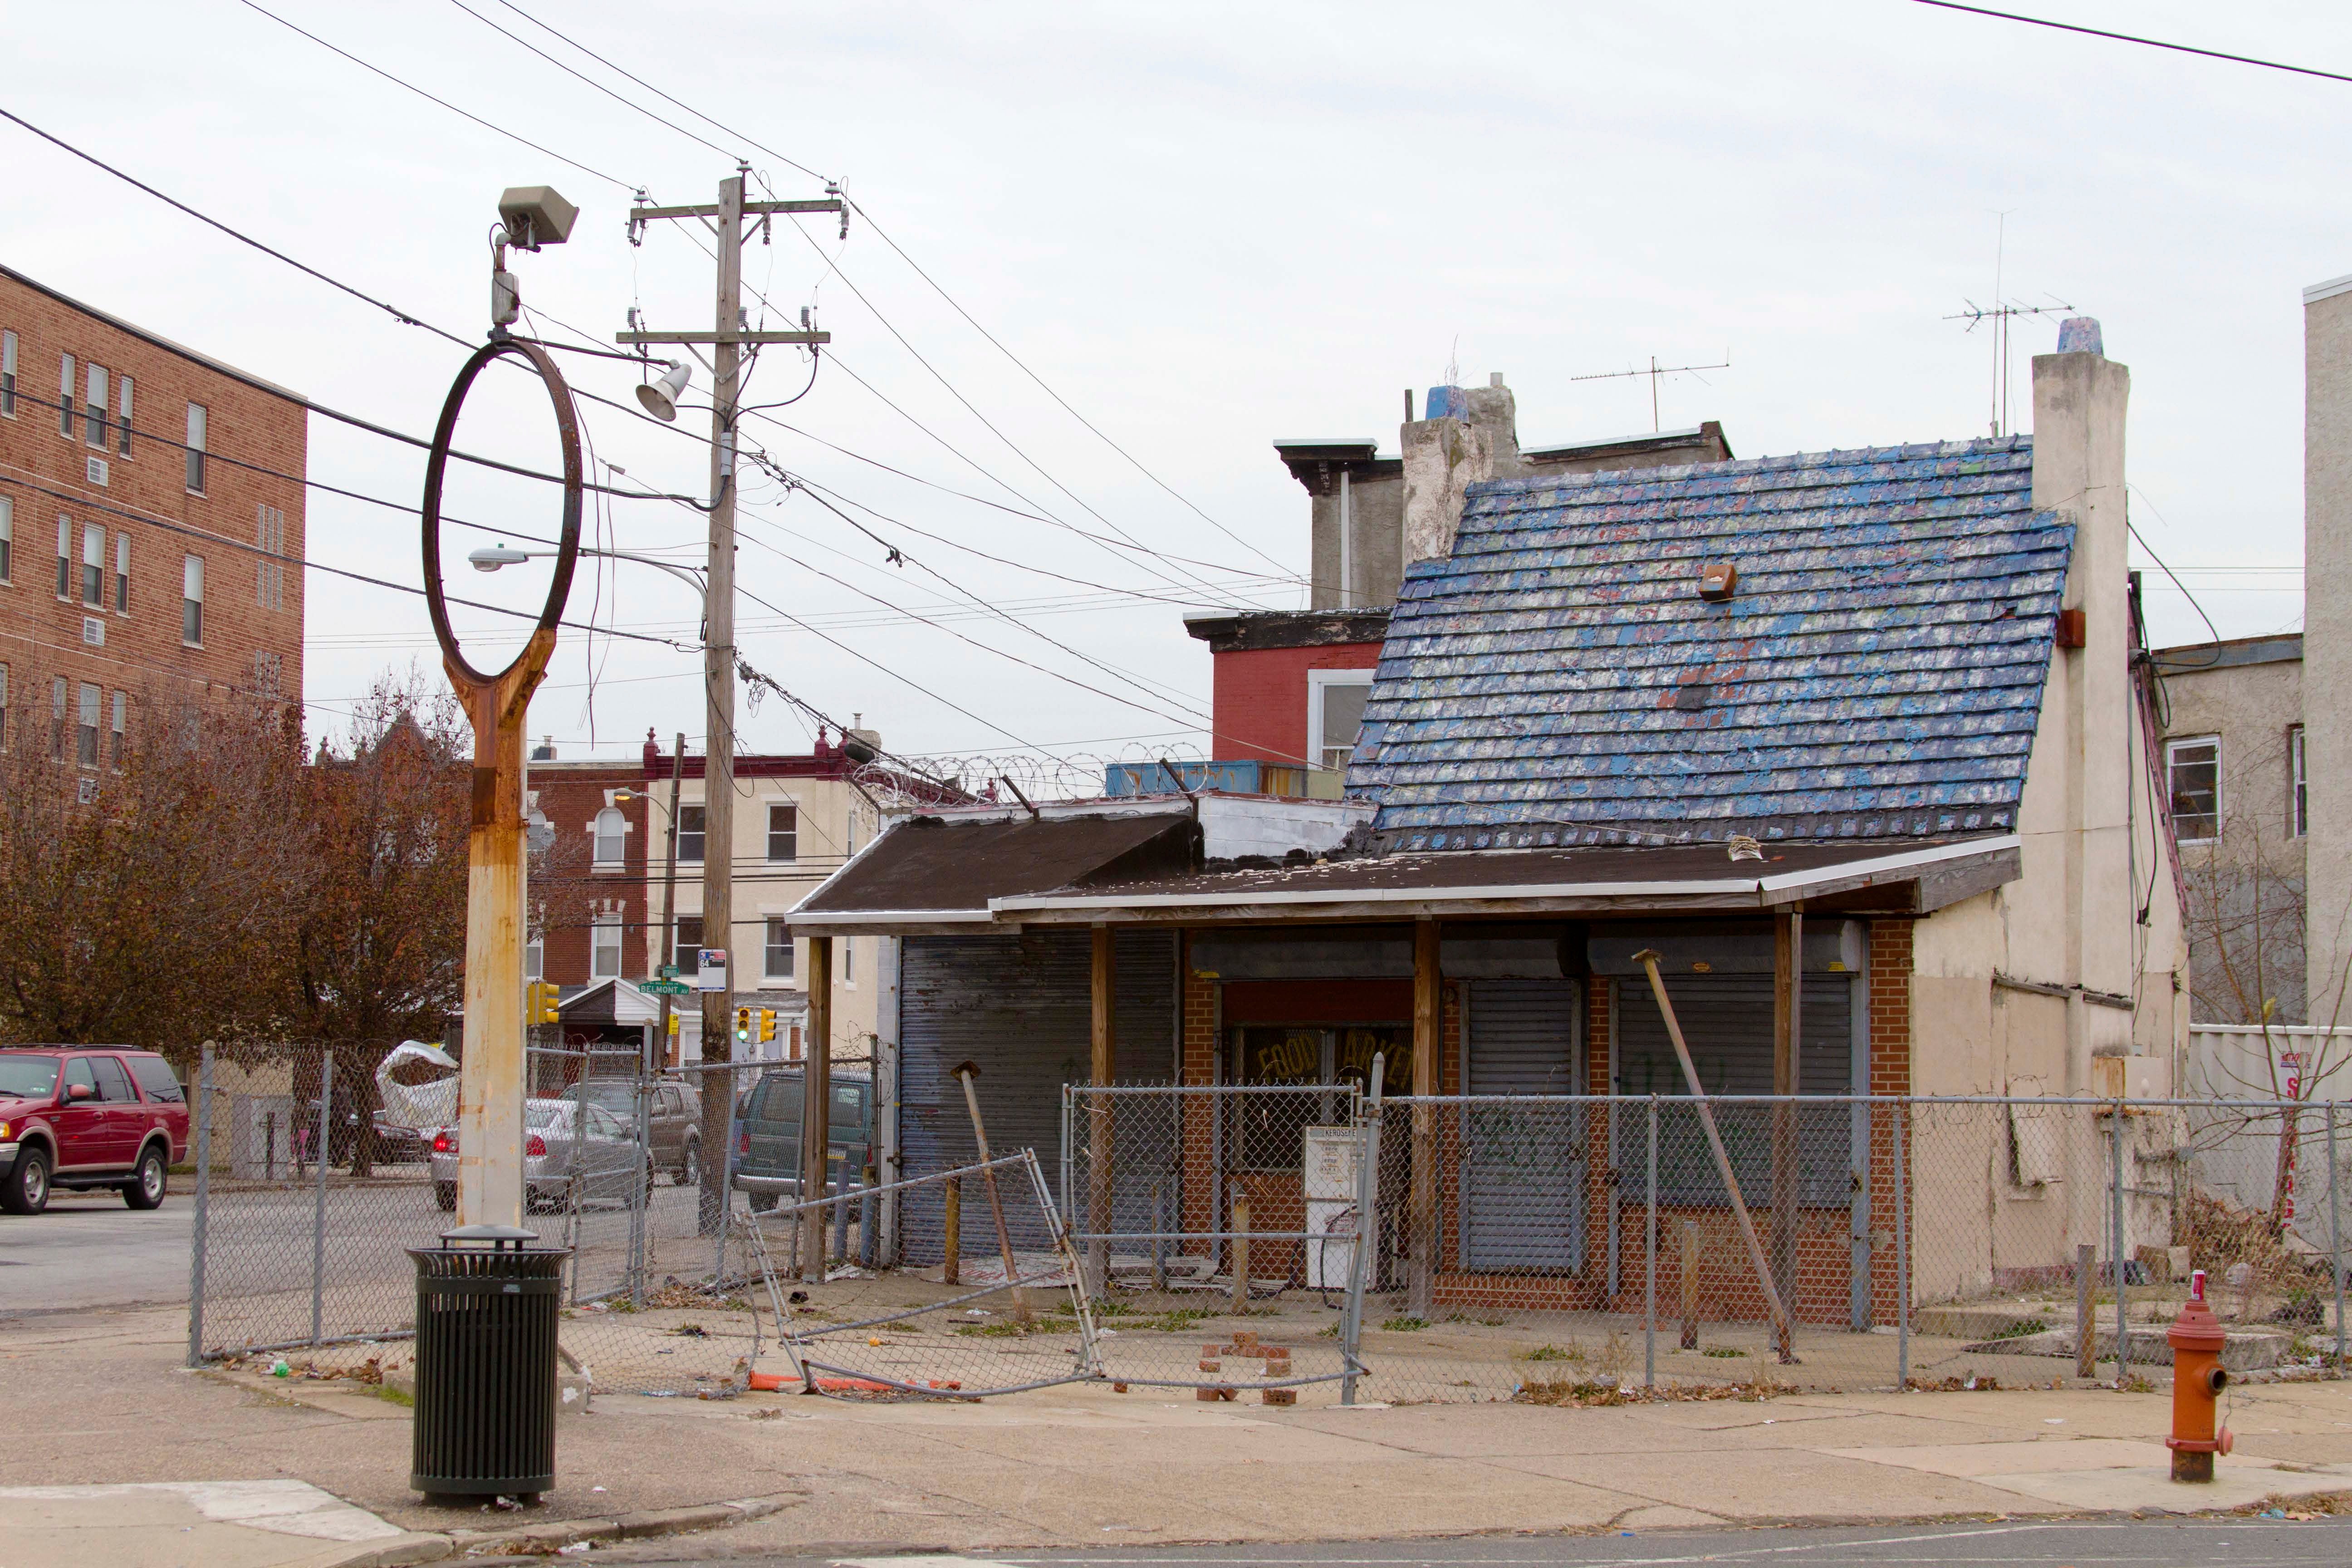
(1690, 1285)
(1648, 959)
(1099, 1125)
(816, 1102)
(1421, 1206)
(967, 1072)
(1241, 1252)
(491, 1070)
(2086, 1339)
(951, 1270)
(1788, 1000)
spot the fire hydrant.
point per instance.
(2198, 1379)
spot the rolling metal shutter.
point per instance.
(1727, 1022)
(1021, 1006)
(1523, 1170)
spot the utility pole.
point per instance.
(727, 339)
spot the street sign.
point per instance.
(665, 987)
(712, 974)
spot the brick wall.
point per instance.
(250, 607)
(1260, 698)
(1890, 1073)
(570, 795)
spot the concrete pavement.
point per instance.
(91, 1249)
(1085, 1467)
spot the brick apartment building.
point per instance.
(135, 513)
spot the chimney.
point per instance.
(2327, 640)
(2091, 748)
(1466, 434)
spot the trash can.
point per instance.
(486, 1378)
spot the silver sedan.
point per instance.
(562, 1166)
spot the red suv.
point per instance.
(87, 1116)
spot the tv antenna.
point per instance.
(2003, 314)
(1654, 370)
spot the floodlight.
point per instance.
(660, 397)
(536, 215)
(490, 557)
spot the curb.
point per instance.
(408, 1549)
(531, 1540)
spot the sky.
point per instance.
(1106, 256)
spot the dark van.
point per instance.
(766, 1163)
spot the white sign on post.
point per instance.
(711, 972)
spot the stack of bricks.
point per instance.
(1244, 1344)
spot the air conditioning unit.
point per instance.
(95, 468)
(93, 631)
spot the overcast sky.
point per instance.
(1206, 226)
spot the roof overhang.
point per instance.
(1915, 882)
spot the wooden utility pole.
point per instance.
(727, 340)
(816, 1104)
(1421, 1195)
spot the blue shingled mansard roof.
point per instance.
(1558, 681)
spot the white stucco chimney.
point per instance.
(2079, 804)
(2327, 645)
(1468, 434)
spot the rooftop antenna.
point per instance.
(1654, 372)
(2003, 314)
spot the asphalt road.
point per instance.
(90, 1250)
(2105, 1544)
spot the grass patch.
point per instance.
(392, 1395)
(1723, 1352)
(2019, 1330)
(1574, 1353)
(1405, 1325)
(1017, 1331)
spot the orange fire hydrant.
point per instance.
(2198, 1379)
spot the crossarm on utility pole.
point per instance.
(1782, 1329)
(720, 337)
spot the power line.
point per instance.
(2134, 38)
(599, 86)
(444, 103)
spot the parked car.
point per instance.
(561, 1163)
(79, 1117)
(767, 1156)
(672, 1117)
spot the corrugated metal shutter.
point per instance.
(1523, 1173)
(1021, 1006)
(1727, 1022)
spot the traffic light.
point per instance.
(767, 1025)
(743, 1026)
(539, 1003)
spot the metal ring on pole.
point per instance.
(567, 429)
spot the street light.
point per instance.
(492, 557)
(660, 397)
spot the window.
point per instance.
(85, 733)
(269, 672)
(538, 833)
(122, 713)
(192, 601)
(65, 397)
(122, 572)
(2298, 805)
(154, 1076)
(604, 960)
(612, 836)
(1335, 711)
(4, 707)
(58, 718)
(784, 832)
(122, 413)
(113, 1083)
(780, 948)
(197, 447)
(94, 409)
(269, 577)
(690, 833)
(848, 960)
(2193, 774)
(65, 557)
(685, 953)
(93, 565)
(7, 540)
(8, 374)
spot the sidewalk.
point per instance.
(1085, 1465)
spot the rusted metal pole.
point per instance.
(1099, 1126)
(1421, 1199)
(1648, 959)
(967, 1072)
(951, 1264)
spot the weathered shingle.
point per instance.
(1878, 673)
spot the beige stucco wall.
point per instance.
(2246, 884)
(834, 821)
(2327, 639)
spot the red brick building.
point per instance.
(150, 525)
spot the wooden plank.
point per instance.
(1104, 975)
(1428, 1044)
(816, 1104)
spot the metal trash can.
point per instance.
(486, 1375)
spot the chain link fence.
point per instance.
(1302, 1244)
